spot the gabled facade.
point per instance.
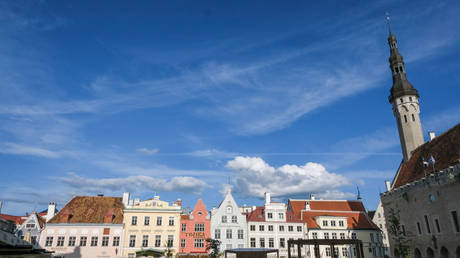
(152, 225)
(87, 226)
(228, 224)
(31, 228)
(195, 229)
(272, 225)
(339, 219)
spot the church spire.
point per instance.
(404, 99)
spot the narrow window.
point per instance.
(159, 221)
(419, 228)
(182, 243)
(253, 242)
(240, 234)
(217, 234)
(401, 100)
(157, 240)
(105, 241)
(171, 221)
(262, 242)
(252, 227)
(132, 240)
(116, 241)
(271, 242)
(83, 240)
(438, 228)
(229, 233)
(400, 69)
(427, 225)
(170, 242)
(134, 220)
(146, 221)
(413, 117)
(410, 98)
(184, 227)
(455, 220)
(234, 219)
(72, 241)
(60, 241)
(281, 242)
(94, 241)
(145, 240)
(405, 118)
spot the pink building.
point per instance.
(195, 229)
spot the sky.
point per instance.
(187, 99)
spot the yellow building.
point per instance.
(151, 225)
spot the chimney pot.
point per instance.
(388, 185)
(432, 135)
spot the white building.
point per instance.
(378, 217)
(339, 219)
(228, 224)
(272, 225)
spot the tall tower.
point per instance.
(404, 99)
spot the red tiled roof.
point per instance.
(445, 149)
(184, 217)
(258, 215)
(18, 220)
(326, 205)
(355, 220)
(90, 209)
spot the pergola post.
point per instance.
(332, 251)
(299, 249)
(316, 250)
(289, 248)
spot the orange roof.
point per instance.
(326, 205)
(355, 220)
(445, 149)
(90, 209)
(258, 215)
(18, 220)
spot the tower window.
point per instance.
(410, 98)
(401, 100)
(413, 117)
(400, 69)
(405, 118)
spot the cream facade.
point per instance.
(151, 225)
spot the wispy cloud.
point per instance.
(18, 149)
(147, 151)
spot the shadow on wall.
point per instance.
(75, 254)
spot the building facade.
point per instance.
(195, 229)
(87, 226)
(379, 219)
(228, 224)
(31, 228)
(338, 219)
(272, 225)
(152, 225)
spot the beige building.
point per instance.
(151, 225)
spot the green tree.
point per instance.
(213, 245)
(398, 234)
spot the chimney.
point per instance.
(388, 185)
(125, 198)
(51, 211)
(312, 197)
(307, 205)
(137, 201)
(188, 211)
(432, 135)
(108, 217)
(267, 198)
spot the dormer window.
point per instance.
(332, 223)
(270, 215)
(324, 223)
(281, 215)
(341, 223)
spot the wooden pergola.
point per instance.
(329, 242)
(252, 252)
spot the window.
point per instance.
(170, 240)
(30, 225)
(299, 228)
(400, 69)
(116, 241)
(49, 241)
(403, 228)
(224, 219)
(427, 223)
(282, 243)
(94, 241)
(405, 118)
(229, 209)
(419, 228)
(252, 227)
(270, 215)
(271, 242)
(341, 223)
(105, 241)
(183, 227)
(372, 237)
(145, 240)
(290, 228)
(261, 227)
(401, 100)
(217, 234)
(344, 252)
(83, 240)
(60, 241)
(159, 221)
(281, 228)
(342, 235)
(328, 251)
(199, 227)
(33, 240)
(334, 235)
(332, 223)
(253, 242)
(262, 242)
(182, 243)
(234, 219)
(270, 227)
(281, 215)
(157, 240)
(146, 220)
(413, 117)
(240, 234)
(336, 251)
(134, 220)
(228, 234)
(436, 223)
(199, 243)
(353, 235)
(171, 221)
(455, 221)
(314, 235)
(132, 241)
(72, 240)
(326, 235)
(374, 251)
(324, 223)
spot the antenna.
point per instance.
(387, 14)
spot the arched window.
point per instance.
(405, 118)
(400, 69)
(444, 252)
(429, 253)
(413, 117)
(410, 98)
(417, 253)
(401, 100)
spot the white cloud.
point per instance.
(335, 195)
(19, 149)
(253, 177)
(183, 184)
(147, 151)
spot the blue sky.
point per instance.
(185, 99)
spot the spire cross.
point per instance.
(388, 21)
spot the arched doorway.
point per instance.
(429, 253)
(444, 252)
(417, 253)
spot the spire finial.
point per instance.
(388, 22)
(359, 194)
